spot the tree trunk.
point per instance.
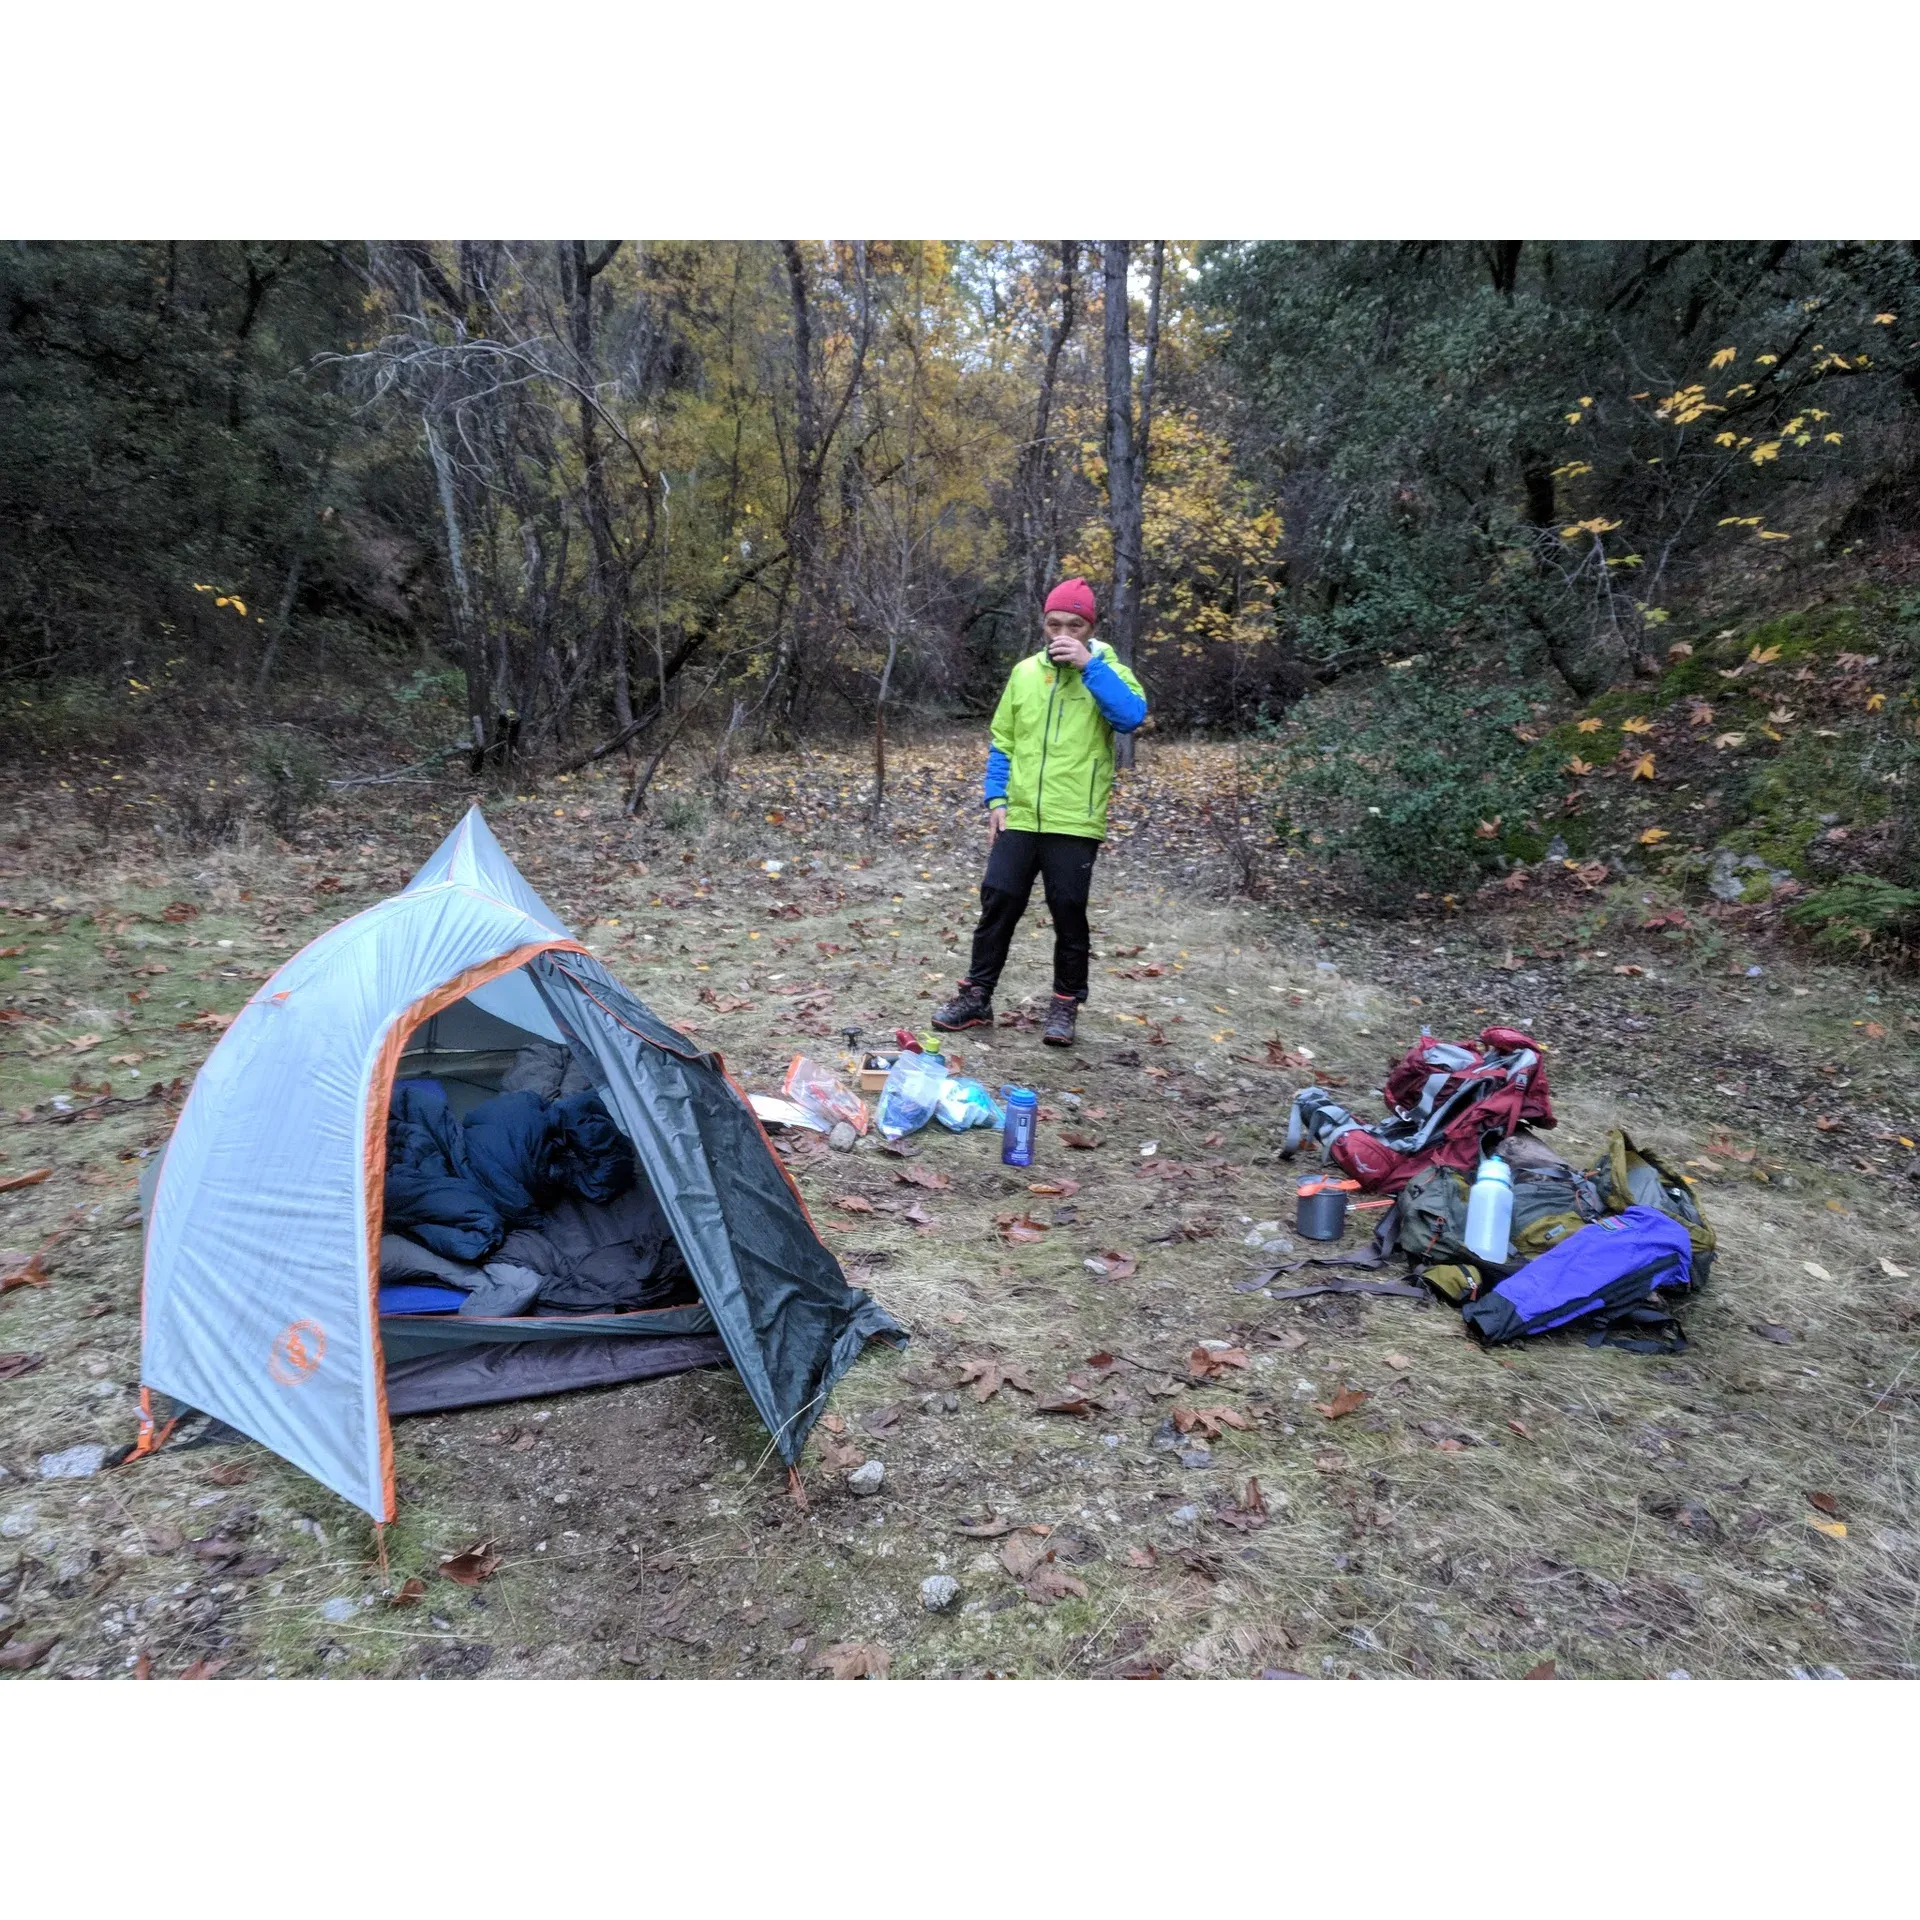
(1036, 491)
(578, 271)
(1123, 473)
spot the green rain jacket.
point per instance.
(1052, 757)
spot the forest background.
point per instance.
(1409, 520)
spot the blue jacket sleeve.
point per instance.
(999, 771)
(1123, 707)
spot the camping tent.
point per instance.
(262, 1289)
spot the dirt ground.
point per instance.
(1130, 1467)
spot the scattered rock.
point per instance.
(938, 1592)
(842, 1137)
(339, 1609)
(76, 1463)
(1186, 1516)
(866, 1481)
(18, 1524)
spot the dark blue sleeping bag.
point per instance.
(460, 1189)
(516, 1155)
(429, 1193)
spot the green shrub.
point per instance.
(1419, 789)
(293, 771)
(1860, 911)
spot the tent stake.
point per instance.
(796, 1489)
(380, 1553)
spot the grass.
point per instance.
(1480, 1513)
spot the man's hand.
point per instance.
(996, 819)
(1065, 651)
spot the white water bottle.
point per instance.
(1490, 1212)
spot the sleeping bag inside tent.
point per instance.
(443, 1157)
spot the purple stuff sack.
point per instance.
(1606, 1273)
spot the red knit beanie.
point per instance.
(1073, 596)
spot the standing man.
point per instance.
(1048, 775)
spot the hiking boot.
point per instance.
(968, 1008)
(1058, 1032)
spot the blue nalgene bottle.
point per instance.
(1016, 1137)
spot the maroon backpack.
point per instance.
(1444, 1097)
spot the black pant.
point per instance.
(1064, 864)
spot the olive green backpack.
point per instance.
(1550, 1200)
(1630, 1176)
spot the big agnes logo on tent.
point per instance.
(297, 1351)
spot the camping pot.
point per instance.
(1320, 1208)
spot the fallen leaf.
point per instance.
(1813, 1267)
(1588, 726)
(923, 1177)
(1203, 1363)
(207, 1022)
(178, 911)
(471, 1565)
(1833, 1529)
(1579, 767)
(989, 1376)
(1825, 1502)
(28, 1272)
(852, 1203)
(1780, 1336)
(1291, 1341)
(1875, 1031)
(1076, 1404)
(202, 1670)
(1060, 1189)
(1629, 968)
(230, 1475)
(85, 1044)
(1021, 1229)
(143, 1667)
(1521, 1428)
(13, 1365)
(1023, 1553)
(32, 1179)
(1890, 1270)
(412, 1591)
(1112, 1264)
(1643, 767)
(1399, 1362)
(1084, 1141)
(1636, 725)
(1653, 836)
(1347, 1400)
(1250, 1513)
(1142, 1557)
(854, 1660)
(1546, 1670)
(992, 1529)
(1053, 1582)
(1209, 1420)
(22, 1656)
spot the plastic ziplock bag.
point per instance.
(912, 1092)
(810, 1085)
(966, 1103)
